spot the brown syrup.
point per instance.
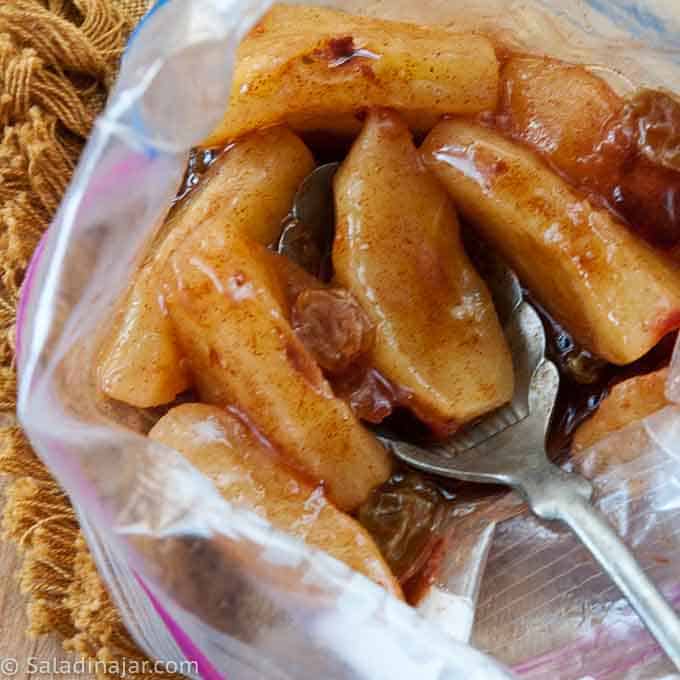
(585, 380)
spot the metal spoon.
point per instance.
(307, 235)
(508, 447)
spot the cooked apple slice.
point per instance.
(250, 189)
(251, 475)
(614, 293)
(318, 67)
(141, 364)
(623, 149)
(228, 309)
(616, 434)
(398, 250)
(580, 135)
(628, 402)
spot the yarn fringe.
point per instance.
(57, 60)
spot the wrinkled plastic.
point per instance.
(197, 578)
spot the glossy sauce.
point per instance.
(585, 380)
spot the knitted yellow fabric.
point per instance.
(57, 60)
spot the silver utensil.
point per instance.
(508, 447)
(307, 235)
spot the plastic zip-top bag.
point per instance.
(196, 577)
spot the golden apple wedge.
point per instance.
(398, 250)
(249, 189)
(251, 475)
(614, 293)
(575, 135)
(628, 402)
(229, 309)
(316, 68)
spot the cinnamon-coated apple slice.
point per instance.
(578, 136)
(315, 68)
(250, 189)
(614, 293)
(398, 250)
(628, 402)
(229, 312)
(252, 475)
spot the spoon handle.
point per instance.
(568, 499)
